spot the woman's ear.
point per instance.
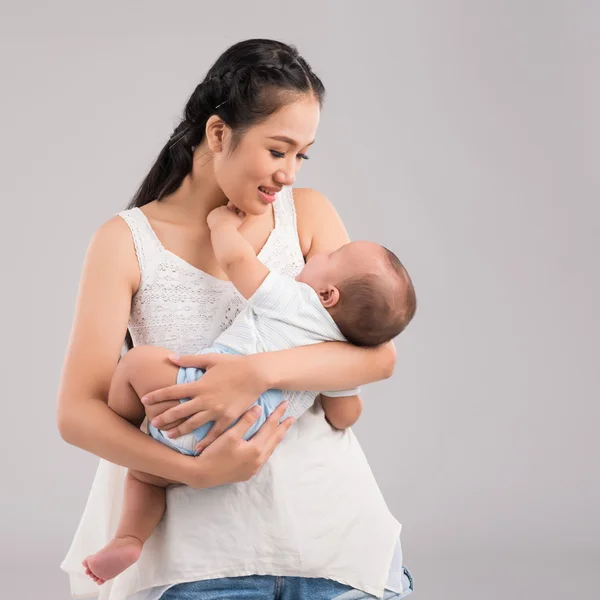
(216, 133)
(329, 296)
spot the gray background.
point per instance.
(463, 135)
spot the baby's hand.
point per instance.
(225, 215)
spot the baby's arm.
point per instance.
(233, 252)
(342, 412)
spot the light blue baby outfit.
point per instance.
(283, 313)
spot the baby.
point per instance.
(360, 293)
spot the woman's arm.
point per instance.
(109, 279)
(102, 308)
(331, 365)
(325, 366)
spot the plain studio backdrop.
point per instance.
(464, 136)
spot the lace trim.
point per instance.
(184, 308)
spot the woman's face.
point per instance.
(268, 156)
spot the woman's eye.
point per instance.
(278, 154)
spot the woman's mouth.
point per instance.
(266, 195)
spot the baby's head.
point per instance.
(366, 290)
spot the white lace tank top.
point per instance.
(313, 510)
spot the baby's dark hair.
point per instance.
(375, 308)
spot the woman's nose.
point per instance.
(285, 177)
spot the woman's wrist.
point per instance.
(192, 471)
(263, 371)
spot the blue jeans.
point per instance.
(270, 587)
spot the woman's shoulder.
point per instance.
(112, 244)
(114, 232)
(317, 219)
(311, 204)
(311, 208)
(305, 197)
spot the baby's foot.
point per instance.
(114, 558)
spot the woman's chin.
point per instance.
(254, 209)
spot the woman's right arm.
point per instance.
(109, 279)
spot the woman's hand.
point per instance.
(231, 458)
(229, 387)
(154, 410)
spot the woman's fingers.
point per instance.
(153, 410)
(200, 361)
(173, 392)
(271, 431)
(181, 411)
(171, 426)
(273, 441)
(246, 421)
(210, 437)
(188, 425)
(220, 426)
(240, 460)
(215, 431)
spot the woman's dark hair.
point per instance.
(249, 82)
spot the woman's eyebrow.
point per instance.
(287, 140)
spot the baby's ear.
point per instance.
(329, 296)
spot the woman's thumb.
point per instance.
(200, 361)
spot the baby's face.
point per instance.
(329, 269)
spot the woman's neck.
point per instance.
(197, 195)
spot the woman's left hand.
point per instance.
(228, 388)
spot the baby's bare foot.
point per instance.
(114, 558)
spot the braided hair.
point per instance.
(249, 82)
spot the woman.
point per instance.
(309, 522)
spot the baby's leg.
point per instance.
(143, 507)
(143, 369)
